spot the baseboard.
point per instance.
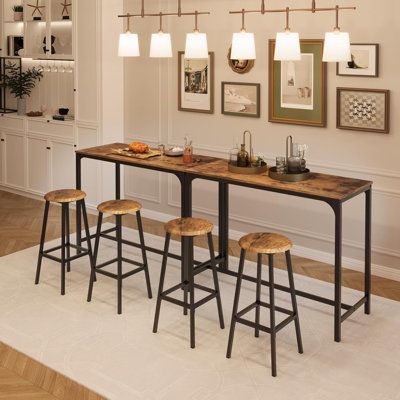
(305, 252)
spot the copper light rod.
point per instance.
(291, 10)
(164, 14)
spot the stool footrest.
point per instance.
(72, 258)
(99, 268)
(201, 267)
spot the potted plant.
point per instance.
(18, 13)
(21, 83)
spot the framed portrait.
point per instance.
(240, 66)
(297, 89)
(240, 99)
(196, 84)
(364, 61)
(366, 110)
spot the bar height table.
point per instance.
(333, 190)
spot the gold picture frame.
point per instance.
(240, 66)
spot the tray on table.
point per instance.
(141, 156)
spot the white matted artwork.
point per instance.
(364, 61)
(240, 99)
(297, 80)
(195, 84)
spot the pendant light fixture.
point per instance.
(287, 46)
(337, 44)
(196, 43)
(128, 42)
(160, 46)
(243, 45)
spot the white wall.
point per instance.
(151, 115)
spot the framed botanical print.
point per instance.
(366, 110)
(240, 66)
(240, 99)
(297, 89)
(364, 61)
(196, 84)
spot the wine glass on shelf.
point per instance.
(54, 68)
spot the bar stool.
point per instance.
(270, 244)
(187, 229)
(119, 208)
(63, 197)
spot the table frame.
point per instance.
(186, 179)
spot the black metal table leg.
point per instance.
(258, 293)
(337, 207)
(117, 181)
(223, 224)
(368, 219)
(119, 260)
(63, 263)
(78, 184)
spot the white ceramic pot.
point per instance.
(18, 15)
(21, 106)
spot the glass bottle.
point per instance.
(188, 154)
(243, 157)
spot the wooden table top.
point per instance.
(322, 186)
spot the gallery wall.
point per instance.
(151, 115)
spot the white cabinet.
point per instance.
(14, 159)
(37, 165)
(62, 166)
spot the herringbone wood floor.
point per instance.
(20, 225)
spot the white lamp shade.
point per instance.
(287, 46)
(161, 45)
(128, 45)
(243, 46)
(196, 46)
(337, 47)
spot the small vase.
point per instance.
(21, 106)
(18, 16)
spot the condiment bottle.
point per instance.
(188, 154)
(243, 157)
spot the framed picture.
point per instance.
(365, 110)
(241, 99)
(196, 84)
(297, 89)
(364, 61)
(240, 66)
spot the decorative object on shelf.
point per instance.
(239, 66)
(34, 114)
(21, 83)
(240, 99)
(196, 42)
(297, 89)
(243, 45)
(337, 43)
(14, 45)
(65, 12)
(45, 49)
(63, 111)
(196, 84)
(246, 163)
(188, 151)
(366, 110)
(364, 61)
(18, 13)
(4, 96)
(36, 9)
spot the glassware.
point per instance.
(242, 156)
(294, 164)
(233, 153)
(188, 154)
(280, 165)
(161, 148)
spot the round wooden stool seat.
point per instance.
(189, 227)
(119, 207)
(265, 243)
(65, 196)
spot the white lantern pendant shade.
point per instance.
(161, 45)
(128, 45)
(337, 47)
(196, 45)
(243, 46)
(287, 46)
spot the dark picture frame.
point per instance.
(369, 112)
(237, 90)
(195, 100)
(310, 107)
(357, 66)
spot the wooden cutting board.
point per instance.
(141, 156)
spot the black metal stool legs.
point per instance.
(63, 262)
(161, 284)
(95, 254)
(118, 219)
(294, 301)
(236, 303)
(42, 240)
(215, 277)
(144, 255)
(272, 313)
(68, 239)
(258, 294)
(192, 307)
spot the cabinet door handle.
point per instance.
(48, 148)
(2, 140)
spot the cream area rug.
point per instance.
(120, 358)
